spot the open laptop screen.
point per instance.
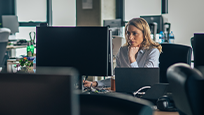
(131, 79)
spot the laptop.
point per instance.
(129, 80)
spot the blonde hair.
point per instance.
(142, 24)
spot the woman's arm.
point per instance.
(89, 84)
(152, 59)
(105, 82)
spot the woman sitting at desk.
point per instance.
(138, 51)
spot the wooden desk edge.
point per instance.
(157, 112)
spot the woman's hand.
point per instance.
(89, 83)
(132, 53)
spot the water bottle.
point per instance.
(171, 37)
(32, 48)
(161, 37)
(29, 52)
(34, 65)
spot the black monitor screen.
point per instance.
(38, 94)
(85, 48)
(197, 49)
(152, 19)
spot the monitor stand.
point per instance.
(79, 84)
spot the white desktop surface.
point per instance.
(15, 47)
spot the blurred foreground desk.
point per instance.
(157, 112)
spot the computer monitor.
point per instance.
(197, 46)
(88, 49)
(11, 22)
(158, 19)
(43, 93)
(115, 26)
(112, 23)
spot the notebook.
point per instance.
(129, 80)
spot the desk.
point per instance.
(15, 47)
(157, 112)
(12, 49)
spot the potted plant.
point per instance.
(25, 64)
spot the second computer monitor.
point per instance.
(158, 19)
(197, 49)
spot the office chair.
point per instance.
(192, 41)
(113, 104)
(192, 45)
(4, 34)
(187, 86)
(171, 54)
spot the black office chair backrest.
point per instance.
(171, 54)
(4, 34)
(187, 87)
(113, 104)
(192, 41)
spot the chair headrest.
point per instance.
(5, 30)
(186, 68)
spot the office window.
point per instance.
(33, 12)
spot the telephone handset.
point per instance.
(141, 91)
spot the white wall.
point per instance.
(186, 16)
